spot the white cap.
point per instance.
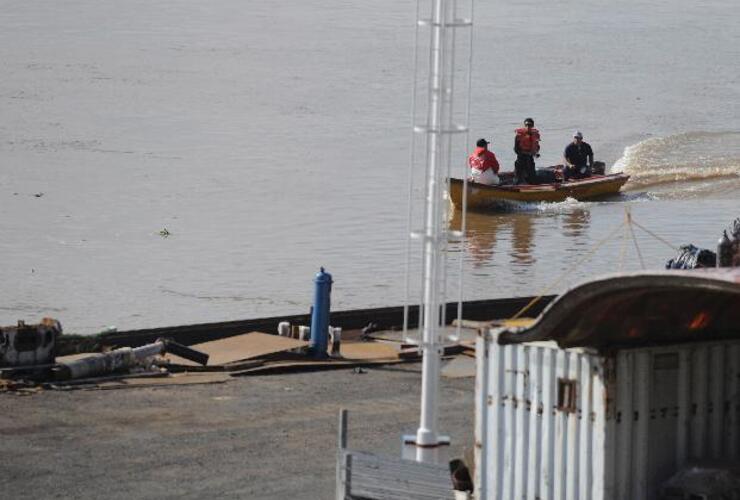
(578, 134)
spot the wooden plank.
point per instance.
(367, 350)
(466, 334)
(144, 380)
(305, 365)
(240, 348)
(174, 379)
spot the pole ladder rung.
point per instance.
(457, 23)
(456, 129)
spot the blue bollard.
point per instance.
(320, 314)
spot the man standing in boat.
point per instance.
(483, 164)
(527, 148)
(579, 158)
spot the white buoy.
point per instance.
(335, 334)
(304, 333)
(284, 329)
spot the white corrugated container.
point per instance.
(557, 423)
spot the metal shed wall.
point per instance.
(636, 419)
(526, 446)
(672, 406)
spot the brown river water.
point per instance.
(271, 139)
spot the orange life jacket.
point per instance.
(529, 140)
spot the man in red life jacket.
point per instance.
(527, 148)
(483, 164)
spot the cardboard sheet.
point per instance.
(240, 347)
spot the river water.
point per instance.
(271, 139)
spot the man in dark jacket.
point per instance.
(579, 158)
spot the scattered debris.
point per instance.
(240, 351)
(691, 257)
(39, 195)
(368, 329)
(121, 359)
(460, 474)
(165, 362)
(29, 345)
(164, 233)
(19, 387)
(146, 380)
(728, 252)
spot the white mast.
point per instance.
(438, 153)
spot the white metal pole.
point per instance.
(426, 435)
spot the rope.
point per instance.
(568, 271)
(623, 248)
(656, 236)
(626, 225)
(634, 238)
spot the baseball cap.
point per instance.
(578, 134)
(482, 143)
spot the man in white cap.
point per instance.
(579, 158)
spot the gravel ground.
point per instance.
(268, 437)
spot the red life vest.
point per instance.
(528, 140)
(483, 160)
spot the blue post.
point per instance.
(320, 315)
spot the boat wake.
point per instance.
(692, 164)
(564, 206)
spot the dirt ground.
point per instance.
(266, 437)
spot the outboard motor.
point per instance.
(724, 251)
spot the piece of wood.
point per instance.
(448, 332)
(141, 380)
(414, 352)
(367, 350)
(74, 357)
(308, 365)
(469, 323)
(174, 379)
(240, 348)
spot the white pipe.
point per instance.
(426, 435)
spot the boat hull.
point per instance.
(481, 196)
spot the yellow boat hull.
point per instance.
(481, 196)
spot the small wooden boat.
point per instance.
(481, 196)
